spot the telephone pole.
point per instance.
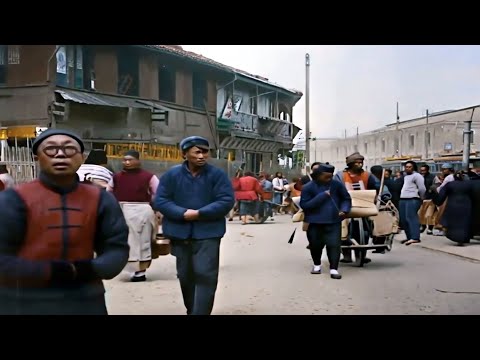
(426, 133)
(467, 132)
(307, 112)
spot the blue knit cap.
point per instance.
(192, 141)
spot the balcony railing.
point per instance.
(254, 126)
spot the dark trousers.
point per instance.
(197, 270)
(409, 220)
(62, 306)
(423, 227)
(329, 235)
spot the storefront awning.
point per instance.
(90, 98)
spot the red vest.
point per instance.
(364, 175)
(59, 228)
(132, 186)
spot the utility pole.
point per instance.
(466, 142)
(307, 113)
(398, 117)
(358, 145)
(426, 142)
(400, 136)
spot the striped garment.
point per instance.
(94, 172)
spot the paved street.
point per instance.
(262, 274)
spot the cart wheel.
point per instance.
(266, 214)
(389, 242)
(360, 256)
(263, 219)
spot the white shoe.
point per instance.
(334, 274)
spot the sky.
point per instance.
(359, 86)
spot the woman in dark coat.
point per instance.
(457, 218)
(475, 207)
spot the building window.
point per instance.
(14, 54)
(199, 89)
(397, 145)
(384, 145)
(355, 148)
(271, 108)
(365, 146)
(412, 141)
(472, 135)
(284, 113)
(428, 138)
(88, 68)
(61, 78)
(253, 105)
(74, 67)
(237, 102)
(3, 64)
(77, 66)
(128, 65)
(166, 83)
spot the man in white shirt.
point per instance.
(412, 193)
(448, 171)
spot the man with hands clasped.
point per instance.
(194, 198)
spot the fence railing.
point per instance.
(19, 163)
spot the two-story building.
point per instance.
(144, 96)
(255, 121)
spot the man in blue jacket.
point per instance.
(194, 198)
(325, 203)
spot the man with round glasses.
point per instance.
(59, 238)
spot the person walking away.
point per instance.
(95, 170)
(440, 181)
(325, 202)
(6, 178)
(354, 177)
(247, 192)
(59, 238)
(194, 198)
(134, 188)
(475, 207)
(458, 215)
(413, 191)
